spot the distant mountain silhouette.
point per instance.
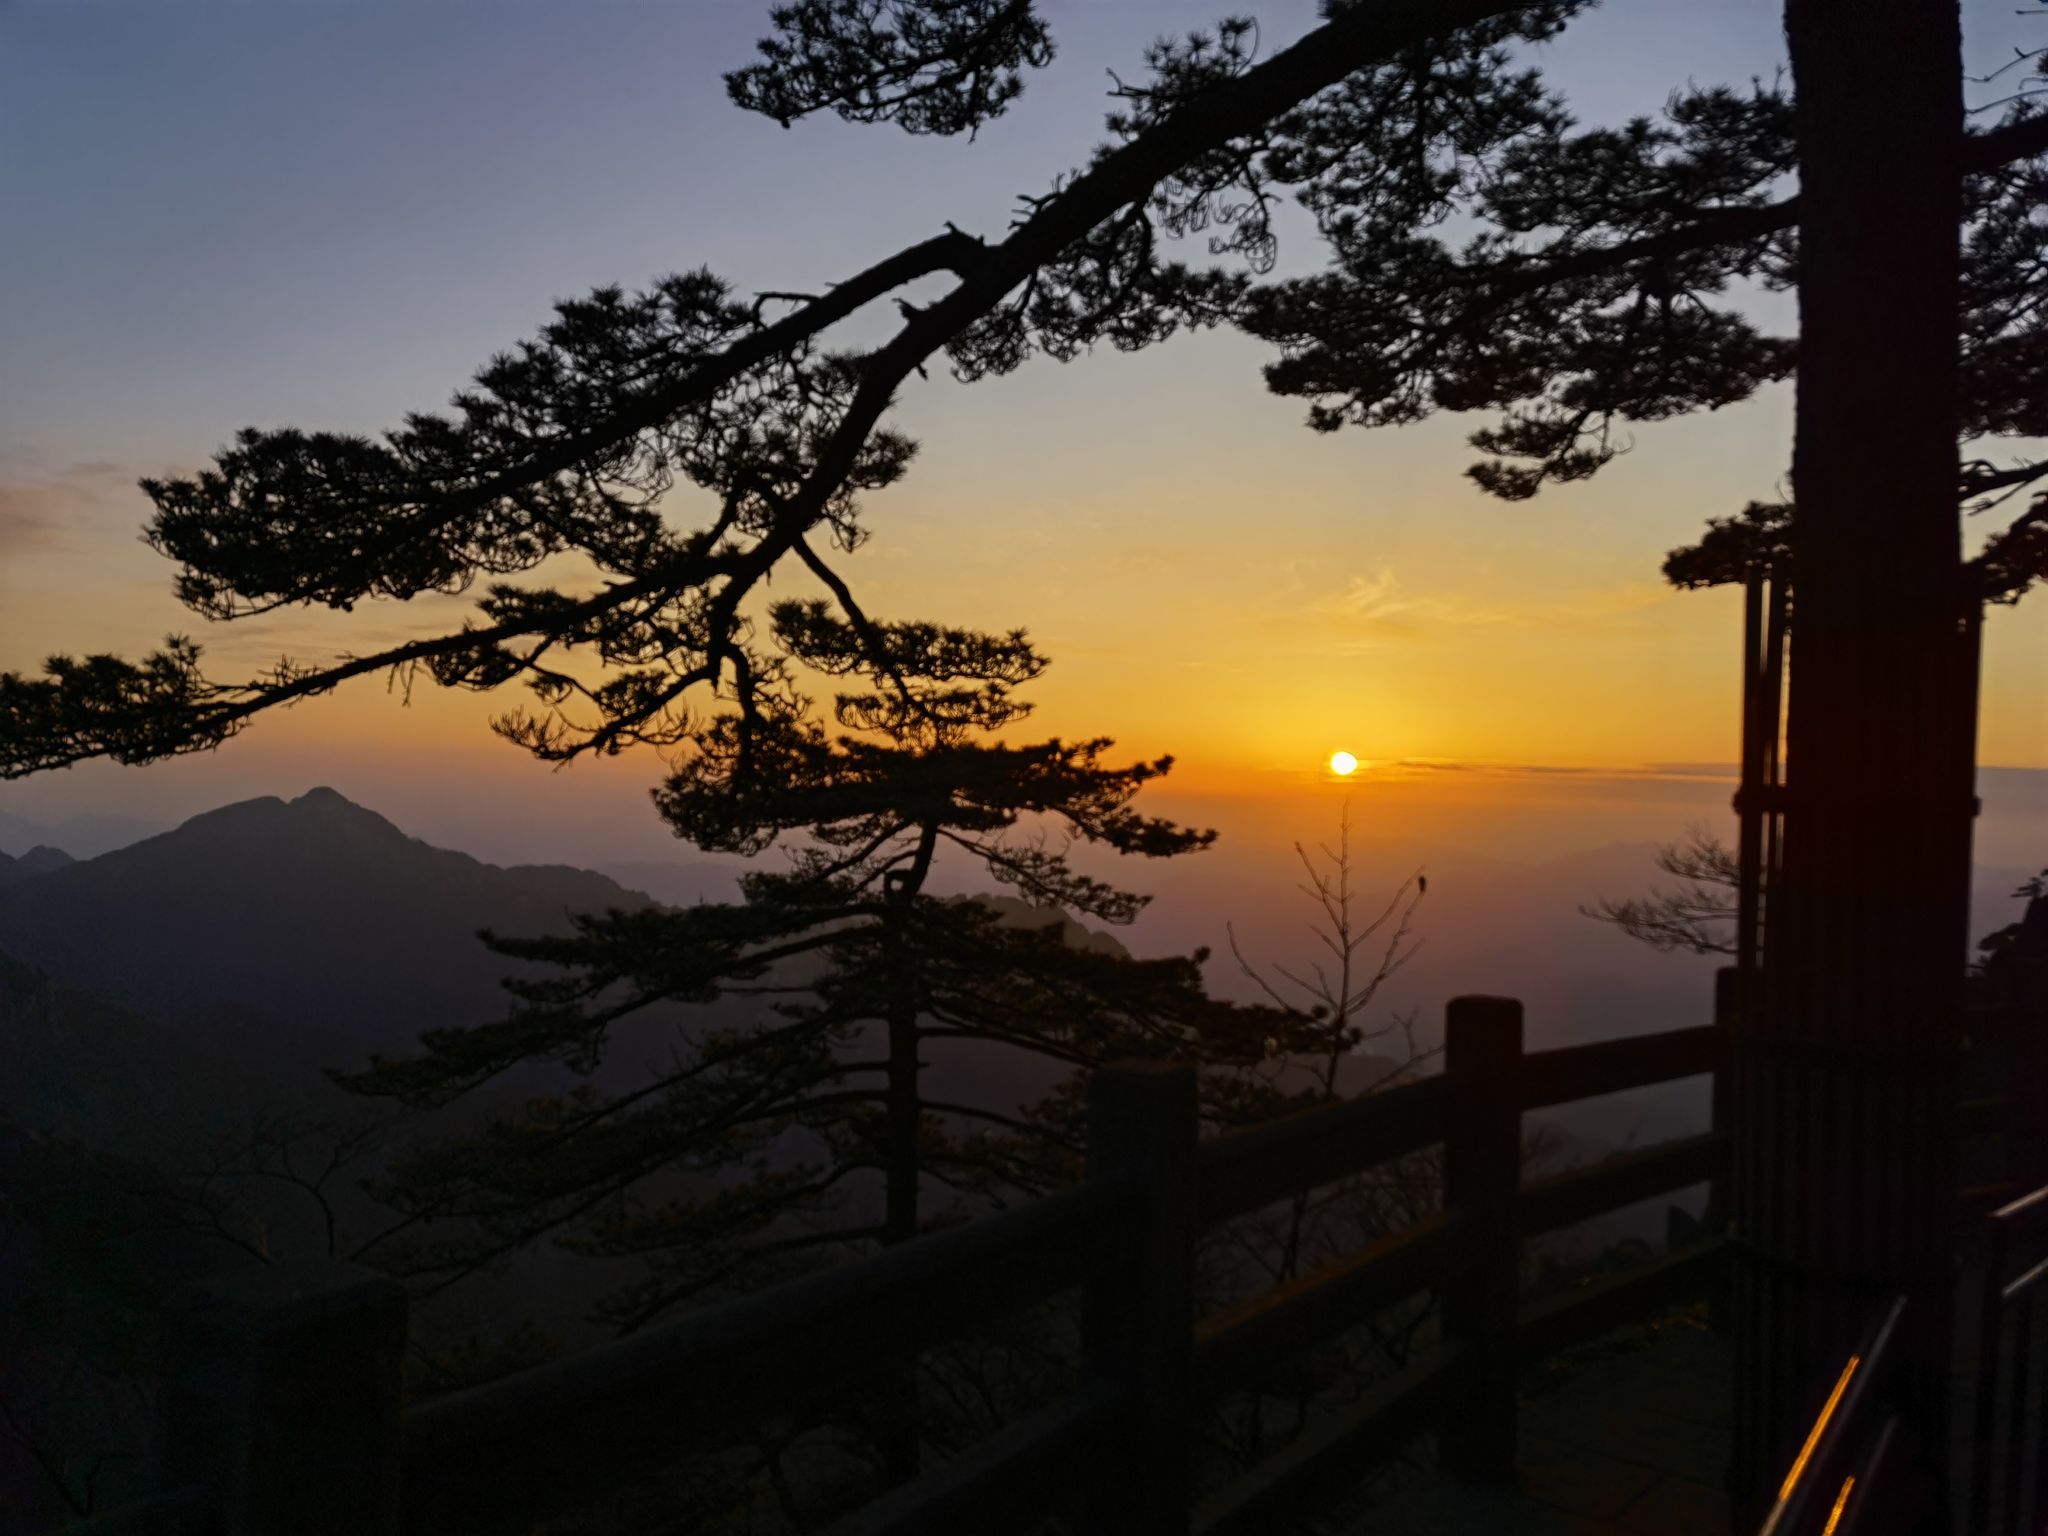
(91, 1070)
(677, 884)
(1012, 912)
(83, 836)
(39, 860)
(274, 938)
(311, 931)
(1489, 925)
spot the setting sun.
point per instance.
(1343, 764)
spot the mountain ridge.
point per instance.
(39, 860)
(267, 925)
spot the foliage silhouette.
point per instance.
(740, 1149)
(1696, 916)
(1597, 290)
(1359, 946)
(2013, 960)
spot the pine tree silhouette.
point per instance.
(859, 968)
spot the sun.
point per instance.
(1343, 764)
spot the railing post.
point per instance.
(282, 1398)
(1727, 1014)
(1482, 1178)
(1986, 1325)
(1138, 1318)
(2027, 1134)
(1728, 1019)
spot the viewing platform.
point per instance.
(1625, 1436)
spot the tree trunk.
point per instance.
(899, 1221)
(1846, 1132)
(900, 1433)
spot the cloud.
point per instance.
(1424, 767)
(1378, 609)
(25, 526)
(39, 512)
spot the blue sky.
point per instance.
(226, 208)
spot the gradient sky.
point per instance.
(327, 212)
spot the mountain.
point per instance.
(279, 937)
(307, 932)
(85, 836)
(39, 860)
(677, 884)
(82, 1068)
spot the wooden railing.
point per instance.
(1470, 1251)
(1852, 1475)
(1857, 1470)
(2008, 1485)
(283, 1414)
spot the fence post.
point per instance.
(1138, 1315)
(1728, 1021)
(1482, 1179)
(282, 1398)
(1728, 985)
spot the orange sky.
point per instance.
(1209, 579)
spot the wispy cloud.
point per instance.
(1425, 767)
(24, 528)
(42, 512)
(1378, 609)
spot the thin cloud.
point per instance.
(26, 527)
(1378, 609)
(1424, 767)
(39, 512)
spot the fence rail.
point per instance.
(543, 1441)
(1858, 1470)
(1848, 1473)
(501, 1456)
(1266, 1164)
(1568, 1073)
(2009, 1475)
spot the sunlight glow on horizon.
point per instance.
(1343, 764)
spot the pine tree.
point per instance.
(1697, 915)
(753, 1141)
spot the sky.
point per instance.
(217, 213)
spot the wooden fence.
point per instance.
(1855, 1474)
(2008, 1366)
(282, 1410)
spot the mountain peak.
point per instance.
(318, 818)
(333, 812)
(261, 926)
(39, 860)
(327, 802)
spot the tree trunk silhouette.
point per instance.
(900, 1437)
(905, 1110)
(1846, 1124)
